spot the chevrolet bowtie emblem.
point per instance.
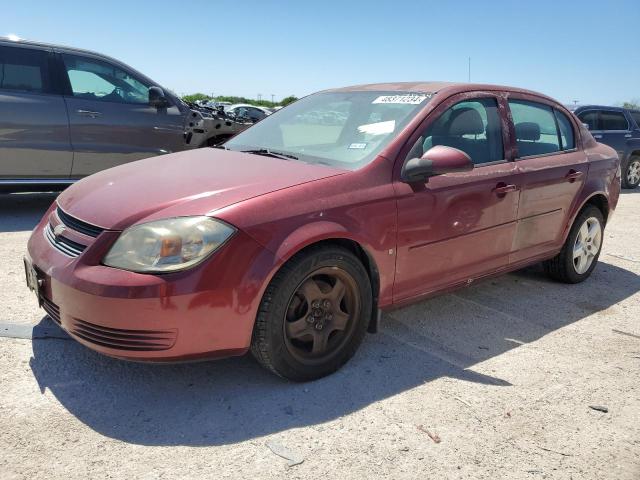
(59, 230)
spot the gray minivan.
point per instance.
(66, 113)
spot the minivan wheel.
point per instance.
(580, 252)
(631, 174)
(313, 315)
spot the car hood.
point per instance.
(196, 182)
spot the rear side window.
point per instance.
(636, 117)
(566, 131)
(613, 120)
(535, 126)
(24, 70)
(591, 118)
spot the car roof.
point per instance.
(435, 87)
(600, 107)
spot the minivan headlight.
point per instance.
(168, 245)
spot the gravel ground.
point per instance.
(494, 381)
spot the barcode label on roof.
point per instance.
(408, 99)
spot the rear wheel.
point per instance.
(580, 253)
(631, 174)
(313, 315)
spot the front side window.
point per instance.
(535, 127)
(96, 80)
(24, 70)
(566, 131)
(471, 126)
(340, 129)
(613, 120)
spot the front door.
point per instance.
(553, 173)
(457, 227)
(111, 119)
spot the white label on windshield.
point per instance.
(358, 146)
(410, 99)
(379, 128)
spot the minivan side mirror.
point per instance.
(436, 161)
(157, 98)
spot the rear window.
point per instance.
(24, 70)
(566, 131)
(613, 120)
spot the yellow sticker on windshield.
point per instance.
(407, 99)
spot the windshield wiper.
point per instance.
(271, 153)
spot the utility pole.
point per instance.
(575, 102)
(469, 69)
(259, 96)
(272, 97)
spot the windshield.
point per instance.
(340, 129)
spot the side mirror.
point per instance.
(436, 161)
(157, 98)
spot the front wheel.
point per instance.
(313, 315)
(580, 252)
(631, 174)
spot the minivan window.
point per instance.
(92, 79)
(24, 69)
(636, 117)
(613, 120)
(472, 126)
(535, 127)
(566, 131)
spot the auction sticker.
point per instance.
(407, 99)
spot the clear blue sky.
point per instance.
(584, 50)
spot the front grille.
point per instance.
(120, 339)
(66, 246)
(78, 225)
(52, 310)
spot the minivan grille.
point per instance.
(78, 225)
(121, 339)
(64, 245)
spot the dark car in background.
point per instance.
(620, 129)
(66, 113)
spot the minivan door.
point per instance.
(34, 127)
(110, 117)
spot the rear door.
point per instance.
(553, 172)
(111, 119)
(34, 127)
(616, 130)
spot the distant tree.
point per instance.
(195, 97)
(632, 105)
(287, 100)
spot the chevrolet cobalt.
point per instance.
(291, 238)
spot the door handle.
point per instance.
(597, 135)
(502, 189)
(88, 113)
(628, 135)
(573, 175)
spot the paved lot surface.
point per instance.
(494, 381)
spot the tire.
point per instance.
(566, 266)
(631, 173)
(307, 289)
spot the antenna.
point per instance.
(469, 69)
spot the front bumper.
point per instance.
(207, 311)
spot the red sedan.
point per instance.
(291, 238)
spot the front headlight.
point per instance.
(167, 245)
